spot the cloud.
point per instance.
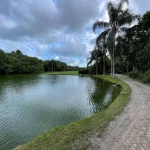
(54, 29)
(70, 47)
(37, 19)
(139, 6)
(28, 18)
(75, 15)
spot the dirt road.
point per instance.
(131, 129)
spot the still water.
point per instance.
(33, 104)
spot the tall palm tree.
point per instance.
(118, 17)
(109, 45)
(96, 55)
(101, 42)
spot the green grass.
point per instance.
(76, 134)
(63, 73)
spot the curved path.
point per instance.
(131, 129)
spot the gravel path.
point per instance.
(131, 129)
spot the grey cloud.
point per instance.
(36, 19)
(33, 25)
(33, 19)
(73, 61)
(76, 14)
(6, 8)
(93, 41)
(70, 47)
(140, 6)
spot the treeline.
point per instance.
(133, 47)
(127, 49)
(54, 65)
(133, 50)
(17, 63)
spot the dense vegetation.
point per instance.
(118, 17)
(133, 50)
(128, 49)
(17, 63)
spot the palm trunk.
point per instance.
(52, 67)
(111, 67)
(113, 64)
(113, 60)
(127, 66)
(96, 67)
(104, 64)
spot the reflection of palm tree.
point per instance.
(96, 55)
(108, 96)
(54, 79)
(103, 94)
(99, 93)
(118, 16)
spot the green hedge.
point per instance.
(134, 74)
(83, 71)
(144, 77)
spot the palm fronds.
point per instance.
(100, 24)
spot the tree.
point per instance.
(143, 57)
(18, 52)
(55, 65)
(2, 61)
(146, 20)
(118, 17)
(101, 42)
(96, 55)
(109, 45)
(135, 39)
(17, 63)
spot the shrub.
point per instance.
(146, 77)
(118, 71)
(134, 74)
(83, 71)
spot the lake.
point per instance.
(33, 104)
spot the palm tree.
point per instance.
(118, 17)
(109, 45)
(96, 54)
(101, 42)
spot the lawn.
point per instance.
(63, 73)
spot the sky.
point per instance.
(55, 29)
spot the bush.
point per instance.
(83, 71)
(134, 74)
(118, 71)
(146, 77)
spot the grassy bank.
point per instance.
(63, 73)
(76, 134)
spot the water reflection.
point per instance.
(103, 94)
(33, 104)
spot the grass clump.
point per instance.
(76, 135)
